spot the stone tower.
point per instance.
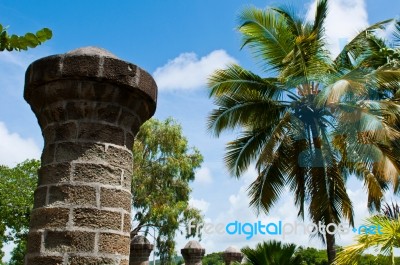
(89, 105)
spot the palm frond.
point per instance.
(265, 32)
(236, 80)
(358, 45)
(396, 34)
(384, 240)
(240, 110)
(269, 184)
(321, 13)
(243, 150)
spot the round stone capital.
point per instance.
(140, 242)
(193, 250)
(232, 254)
(90, 63)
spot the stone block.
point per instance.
(115, 198)
(49, 218)
(72, 195)
(114, 244)
(119, 157)
(99, 219)
(55, 173)
(101, 133)
(45, 260)
(91, 261)
(127, 223)
(69, 241)
(77, 151)
(97, 173)
(34, 242)
(40, 195)
(63, 132)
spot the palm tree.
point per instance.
(270, 253)
(312, 122)
(385, 241)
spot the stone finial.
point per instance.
(193, 253)
(140, 251)
(89, 105)
(231, 254)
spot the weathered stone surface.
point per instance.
(64, 132)
(101, 133)
(115, 198)
(82, 152)
(89, 105)
(97, 66)
(49, 218)
(91, 261)
(40, 197)
(127, 223)
(34, 242)
(97, 173)
(45, 260)
(108, 113)
(231, 255)
(114, 244)
(72, 195)
(140, 251)
(124, 262)
(48, 154)
(56, 173)
(93, 218)
(119, 157)
(81, 110)
(193, 253)
(70, 241)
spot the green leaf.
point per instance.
(31, 40)
(44, 34)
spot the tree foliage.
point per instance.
(383, 242)
(312, 120)
(18, 43)
(17, 186)
(311, 256)
(163, 167)
(213, 259)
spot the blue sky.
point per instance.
(180, 43)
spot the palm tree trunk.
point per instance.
(330, 247)
(392, 254)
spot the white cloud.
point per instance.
(187, 71)
(15, 149)
(201, 204)
(345, 19)
(203, 176)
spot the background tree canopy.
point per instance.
(163, 166)
(16, 201)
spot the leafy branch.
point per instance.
(18, 43)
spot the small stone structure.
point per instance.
(231, 255)
(89, 105)
(193, 253)
(140, 251)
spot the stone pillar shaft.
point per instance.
(89, 105)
